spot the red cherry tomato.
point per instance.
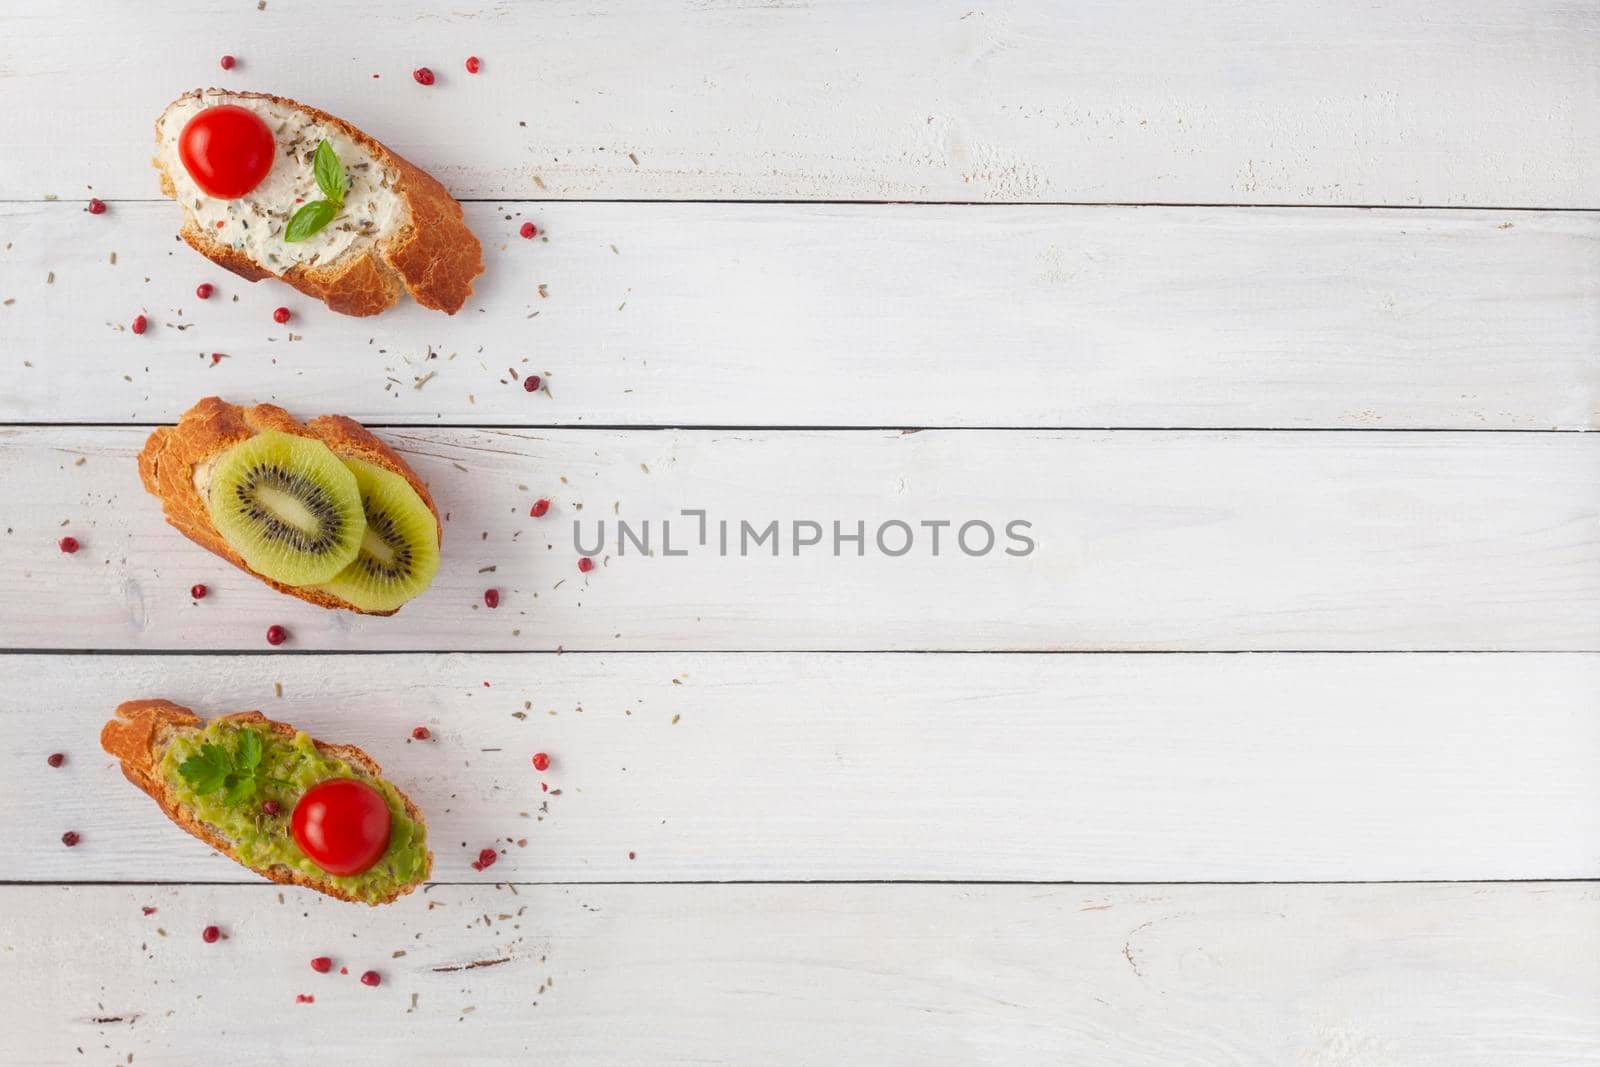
(227, 150)
(342, 825)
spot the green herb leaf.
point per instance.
(309, 219)
(203, 773)
(329, 172)
(241, 787)
(249, 754)
(212, 768)
(312, 217)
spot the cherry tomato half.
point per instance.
(227, 150)
(342, 825)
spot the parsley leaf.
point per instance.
(241, 787)
(213, 768)
(203, 774)
(248, 757)
(329, 172)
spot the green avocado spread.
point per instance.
(282, 771)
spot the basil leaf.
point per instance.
(329, 171)
(249, 753)
(309, 219)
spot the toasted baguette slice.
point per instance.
(139, 735)
(399, 229)
(176, 461)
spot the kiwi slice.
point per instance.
(288, 506)
(400, 550)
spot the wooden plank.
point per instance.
(1142, 541)
(1476, 975)
(675, 766)
(787, 315)
(1142, 101)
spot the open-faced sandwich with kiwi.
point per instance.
(296, 810)
(323, 510)
(273, 188)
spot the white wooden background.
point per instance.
(1279, 320)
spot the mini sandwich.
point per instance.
(323, 511)
(271, 187)
(291, 808)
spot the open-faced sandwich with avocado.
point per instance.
(271, 187)
(291, 808)
(323, 511)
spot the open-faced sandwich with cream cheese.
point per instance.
(271, 187)
(291, 808)
(323, 510)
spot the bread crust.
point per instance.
(211, 427)
(138, 737)
(433, 256)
